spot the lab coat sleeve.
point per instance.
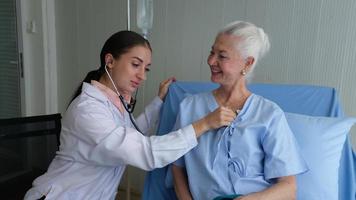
(150, 116)
(127, 146)
(103, 142)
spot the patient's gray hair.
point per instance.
(254, 43)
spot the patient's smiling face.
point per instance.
(225, 60)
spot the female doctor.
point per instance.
(99, 136)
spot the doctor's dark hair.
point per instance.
(117, 44)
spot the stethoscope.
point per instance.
(129, 107)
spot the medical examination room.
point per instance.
(177, 99)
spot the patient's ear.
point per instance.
(249, 62)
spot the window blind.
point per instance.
(10, 101)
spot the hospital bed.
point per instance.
(302, 99)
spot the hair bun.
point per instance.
(265, 44)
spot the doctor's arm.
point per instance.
(110, 144)
(284, 189)
(180, 181)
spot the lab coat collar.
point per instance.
(111, 95)
(94, 92)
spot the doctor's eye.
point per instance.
(135, 64)
(147, 69)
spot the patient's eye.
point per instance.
(222, 57)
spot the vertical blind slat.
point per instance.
(10, 103)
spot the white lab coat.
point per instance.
(97, 142)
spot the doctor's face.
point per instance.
(225, 61)
(129, 69)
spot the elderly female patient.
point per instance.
(257, 155)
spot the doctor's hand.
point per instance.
(163, 87)
(222, 116)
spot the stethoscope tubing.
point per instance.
(128, 110)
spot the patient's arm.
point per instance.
(181, 183)
(284, 189)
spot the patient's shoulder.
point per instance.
(199, 98)
(197, 104)
(265, 106)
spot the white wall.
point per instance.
(82, 28)
(33, 58)
(67, 51)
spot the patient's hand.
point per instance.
(163, 87)
(246, 198)
(284, 189)
(180, 181)
(253, 196)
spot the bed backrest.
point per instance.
(302, 99)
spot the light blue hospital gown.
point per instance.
(244, 157)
